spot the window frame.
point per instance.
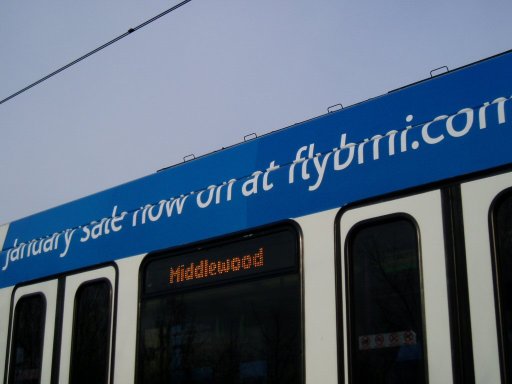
(110, 324)
(13, 334)
(497, 274)
(347, 286)
(220, 241)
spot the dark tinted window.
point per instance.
(27, 343)
(386, 330)
(502, 220)
(91, 333)
(244, 327)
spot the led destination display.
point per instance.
(244, 257)
(206, 268)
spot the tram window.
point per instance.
(91, 333)
(27, 342)
(502, 225)
(241, 327)
(387, 342)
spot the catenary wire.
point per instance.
(130, 31)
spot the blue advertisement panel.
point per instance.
(451, 125)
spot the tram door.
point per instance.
(87, 327)
(394, 301)
(487, 208)
(61, 330)
(32, 328)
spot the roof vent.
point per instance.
(334, 108)
(440, 71)
(250, 136)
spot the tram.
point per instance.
(372, 244)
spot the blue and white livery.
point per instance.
(386, 225)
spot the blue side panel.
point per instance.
(445, 127)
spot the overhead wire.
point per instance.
(129, 32)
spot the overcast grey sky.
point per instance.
(202, 78)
